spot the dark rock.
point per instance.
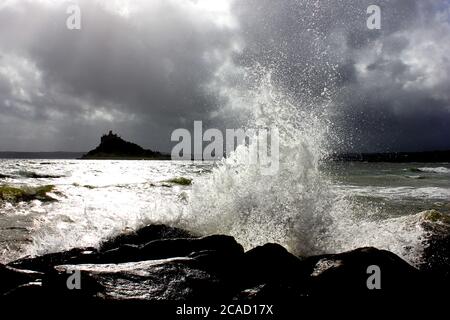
(154, 264)
(31, 291)
(166, 248)
(46, 262)
(252, 294)
(184, 247)
(123, 248)
(144, 235)
(11, 278)
(347, 274)
(273, 274)
(176, 279)
(53, 287)
(219, 261)
(270, 293)
(436, 255)
(271, 263)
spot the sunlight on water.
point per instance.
(95, 199)
(301, 207)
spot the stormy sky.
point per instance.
(144, 68)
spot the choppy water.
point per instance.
(365, 204)
(396, 188)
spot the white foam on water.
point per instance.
(99, 199)
(435, 170)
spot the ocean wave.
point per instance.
(435, 170)
(418, 177)
(394, 193)
(35, 175)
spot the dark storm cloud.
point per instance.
(142, 75)
(154, 69)
(389, 87)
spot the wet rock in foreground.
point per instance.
(160, 263)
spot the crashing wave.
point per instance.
(297, 207)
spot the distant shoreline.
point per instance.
(70, 156)
(392, 157)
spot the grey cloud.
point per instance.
(390, 87)
(150, 73)
(151, 68)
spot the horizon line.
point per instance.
(341, 152)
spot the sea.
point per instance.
(309, 207)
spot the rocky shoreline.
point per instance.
(160, 263)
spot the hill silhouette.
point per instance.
(114, 147)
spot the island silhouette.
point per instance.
(113, 147)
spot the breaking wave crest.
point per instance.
(296, 207)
